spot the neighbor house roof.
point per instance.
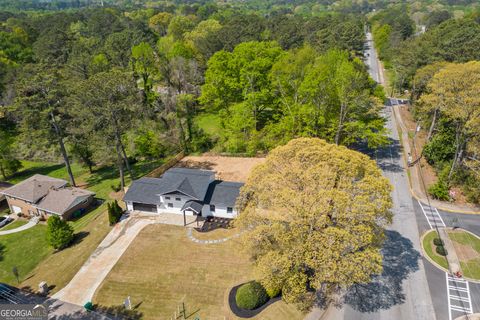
(34, 188)
(60, 201)
(3, 186)
(190, 182)
(223, 193)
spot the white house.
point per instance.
(186, 192)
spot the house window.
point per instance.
(170, 205)
(212, 208)
(229, 210)
(167, 198)
(178, 199)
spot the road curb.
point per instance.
(423, 200)
(425, 255)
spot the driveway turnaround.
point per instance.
(30, 224)
(81, 288)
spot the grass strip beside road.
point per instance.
(429, 248)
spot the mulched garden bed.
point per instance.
(245, 313)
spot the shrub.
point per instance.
(114, 212)
(59, 232)
(441, 250)
(439, 191)
(441, 148)
(116, 187)
(438, 242)
(251, 295)
(273, 292)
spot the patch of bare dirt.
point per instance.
(465, 252)
(226, 168)
(429, 174)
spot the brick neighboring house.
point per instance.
(42, 196)
(3, 186)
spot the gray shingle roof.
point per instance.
(194, 205)
(223, 193)
(191, 182)
(60, 201)
(34, 188)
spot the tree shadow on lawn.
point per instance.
(45, 170)
(399, 260)
(2, 251)
(78, 237)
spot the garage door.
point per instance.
(144, 207)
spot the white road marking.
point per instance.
(458, 290)
(433, 217)
(458, 296)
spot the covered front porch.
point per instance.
(176, 219)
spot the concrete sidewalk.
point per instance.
(416, 186)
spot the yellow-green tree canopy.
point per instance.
(454, 91)
(314, 215)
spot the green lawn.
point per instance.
(464, 242)
(14, 224)
(179, 270)
(210, 123)
(25, 250)
(429, 248)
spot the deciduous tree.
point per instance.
(314, 215)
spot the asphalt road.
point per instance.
(402, 291)
(436, 277)
(410, 286)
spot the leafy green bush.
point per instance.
(59, 232)
(114, 212)
(116, 187)
(273, 292)
(439, 191)
(438, 242)
(441, 250)
(441, 148)
(251, 295)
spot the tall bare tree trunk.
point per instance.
(340, 124)
(432, 125)
(118, 139)
(459, 146)
(63, 151)
(120, 166)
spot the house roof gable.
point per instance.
(34, 188)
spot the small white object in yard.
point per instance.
(127, 303)
(43, 287)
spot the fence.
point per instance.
(167, 165)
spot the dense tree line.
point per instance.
(105, 85)
(439, 69)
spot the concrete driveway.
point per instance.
(81, 288)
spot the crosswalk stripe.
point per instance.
(459, 298)
(458, 289)
(461, 309)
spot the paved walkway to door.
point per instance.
(33, 222)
